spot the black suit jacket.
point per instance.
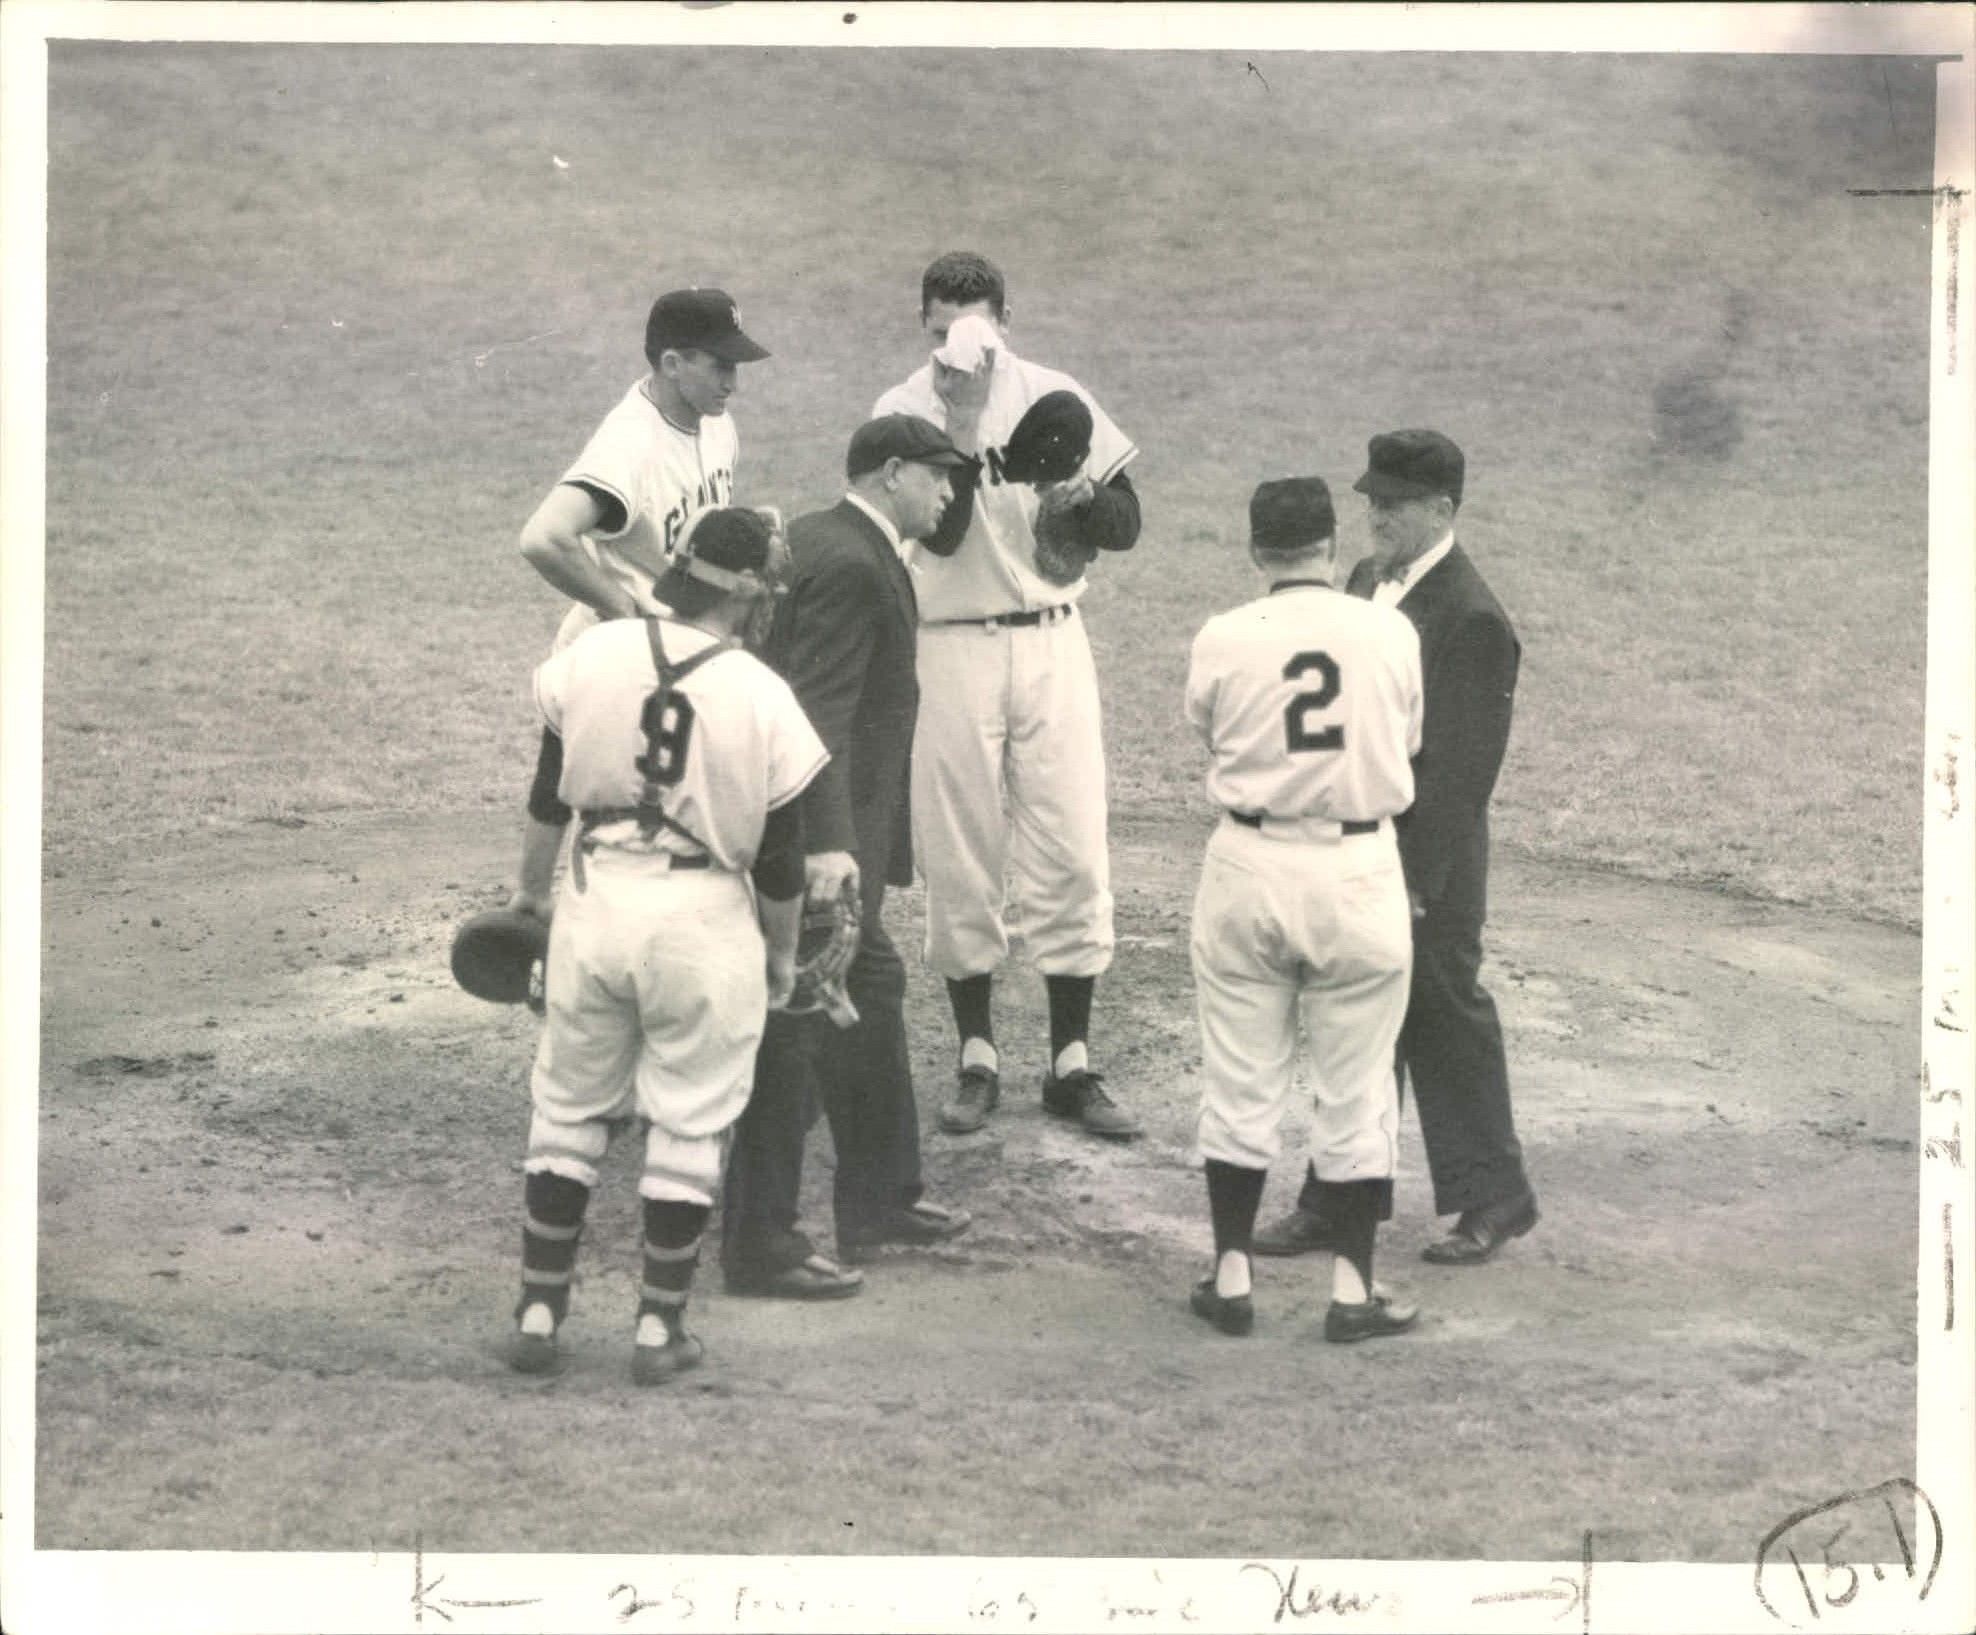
(845, 640)
(1468, 662)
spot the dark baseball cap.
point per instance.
(1290, 513)
(699, 320)
(1404, 465)
(899, 437)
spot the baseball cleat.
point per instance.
(976, 1095)
(1479, 1233)
(663, 1350)
(532, 1350)
(1082, 1096)
(1231, 1313)
(1368, 1320)
(1297, 1233)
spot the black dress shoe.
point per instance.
(1479, 1233)
(1231, 1313)
(1368, 1320)
(1297, 1233)
(816, 1278)
(914, 1227)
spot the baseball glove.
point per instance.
(1061, 556)
(824, 949)
(500, 955)
(1050, 442)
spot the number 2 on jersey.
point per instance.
(1297, 735)
(667, 720)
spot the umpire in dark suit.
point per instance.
(845, 640)
(1451, 1046)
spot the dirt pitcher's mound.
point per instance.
(280, 1216)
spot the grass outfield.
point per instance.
(325, 323)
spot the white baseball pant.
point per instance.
(1288, 928)
(657, 995)
(1008, 791)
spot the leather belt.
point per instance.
(1346, 826)
(1018, 621)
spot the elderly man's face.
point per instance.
(1403, 529)
(921, 496)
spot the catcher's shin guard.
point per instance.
(549, 1238)
(673, 1231)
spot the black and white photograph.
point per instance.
(987, 817)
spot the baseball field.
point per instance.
(325, 322)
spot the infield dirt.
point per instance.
(279, 1167)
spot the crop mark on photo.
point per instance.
(1948, 1268)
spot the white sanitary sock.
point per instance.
(1347, 1287)
(1231, 1275)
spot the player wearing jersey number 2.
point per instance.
(1309, 702)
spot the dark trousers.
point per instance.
(862, 1076)
(1451, 1048)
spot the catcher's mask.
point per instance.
(741, 552)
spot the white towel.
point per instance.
(968, 340)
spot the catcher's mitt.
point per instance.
(499, 956)
(1050, 442)
(824, 949)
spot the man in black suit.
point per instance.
(845, 639)
(1451, 1045)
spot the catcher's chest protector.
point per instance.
(667, 721)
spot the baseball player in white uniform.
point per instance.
(603, 534)
(1008, 774)
(682, 755)
(1310, 704)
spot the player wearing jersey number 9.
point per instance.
(1309, 703)
(682, 760)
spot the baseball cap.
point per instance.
(1050, 442)
(1404, 465)
(1290, 513)
(719, 545)
(699, 320)
(899, 437)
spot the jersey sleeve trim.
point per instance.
(1131, 453)
(776, 801)
(596, 485)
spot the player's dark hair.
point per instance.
(962, 277)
